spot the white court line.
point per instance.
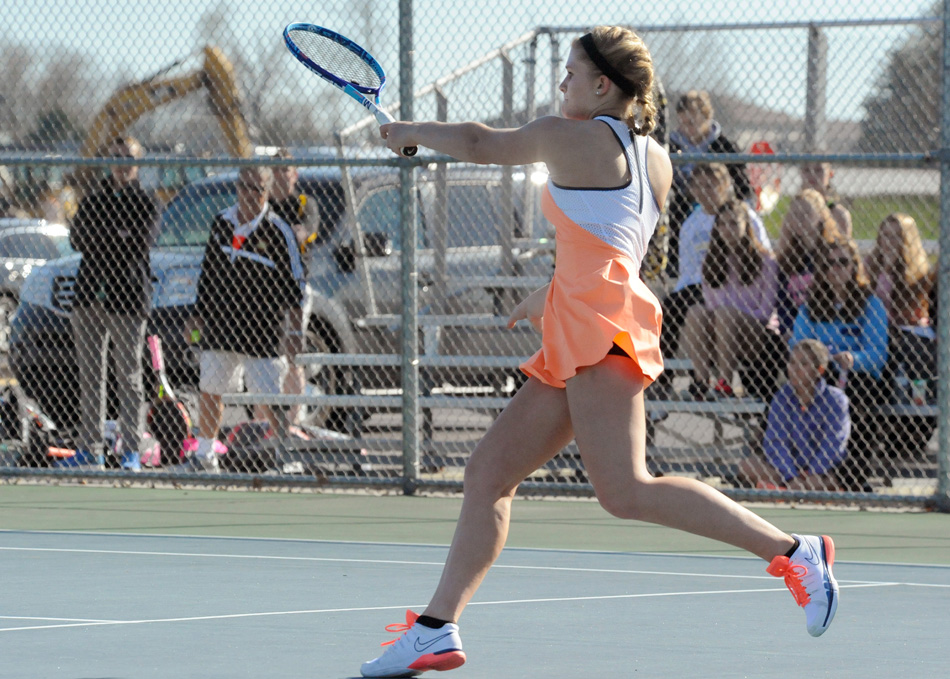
(429, 545)
(393, 562)
(80, 620)
(316, 611)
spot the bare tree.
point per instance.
(66, 85)
(903, 111)
(18, 107)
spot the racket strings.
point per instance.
(336, 58)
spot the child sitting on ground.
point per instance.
(808, 428)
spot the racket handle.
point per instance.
(409, 151)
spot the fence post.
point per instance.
(942, 498)
(531, 112)
(555, 73)
(438, 221)
(507, 222)
(816, 89)
(410, 274)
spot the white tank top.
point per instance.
(624, 217)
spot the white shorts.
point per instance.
(222, 372)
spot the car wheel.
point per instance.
(7, 308)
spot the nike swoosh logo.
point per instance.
(811, 557)
(422, 647)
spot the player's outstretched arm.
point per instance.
(477, 143)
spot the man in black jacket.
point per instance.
(113, 230)
(248, 306)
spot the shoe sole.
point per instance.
(828, 556)
(441, 662)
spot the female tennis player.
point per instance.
(599, 348)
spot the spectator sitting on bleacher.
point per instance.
(898, 269)
(712, 187)
(739, 283)
(842, 313)
(817, 176)
(807, 224)
(807, 434)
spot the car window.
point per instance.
(187, 220)
(34, 246)
(473, 215)
(379, 212)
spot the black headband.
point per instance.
(618, 78)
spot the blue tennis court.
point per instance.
(85, 605)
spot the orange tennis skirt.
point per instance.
(596, 299)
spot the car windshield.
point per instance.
(187, 220)
(35, 245)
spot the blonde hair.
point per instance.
(626, 51)
(792, 252)
(697, 100)
(913, 263)
(716, 171)
(910, 274)
(128, 141)
(817, 353)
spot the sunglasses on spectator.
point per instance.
(840, 261)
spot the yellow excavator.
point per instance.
(131, 102)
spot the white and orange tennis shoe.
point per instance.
(808, 576)
(418, 650)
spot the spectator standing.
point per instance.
(739, 284)
(843, 314)
(250, 291)
(817, 176)
(806, 437)
(302, 213)
(113, 230)
(295, 207)
(807, 225)
(697, 132)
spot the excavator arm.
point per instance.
(132, 102)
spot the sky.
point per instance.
(136, 38)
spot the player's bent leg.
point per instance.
(610, 434)
(614, 456)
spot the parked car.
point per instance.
(347, 290)
(24, 245)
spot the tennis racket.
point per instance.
(343, 63)
(169, 421)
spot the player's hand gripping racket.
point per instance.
(343, 63)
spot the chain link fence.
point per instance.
(136, 158)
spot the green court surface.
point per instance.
(860, 535)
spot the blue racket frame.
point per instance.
(356, 91)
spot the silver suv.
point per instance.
(353, 298)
